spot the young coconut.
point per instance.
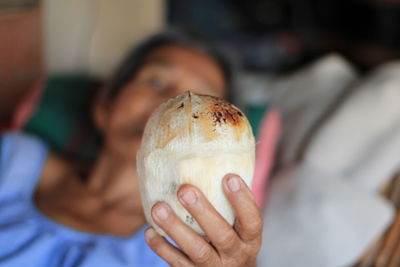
(193, 139)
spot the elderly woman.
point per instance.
(53, 212)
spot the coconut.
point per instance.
(193, 139)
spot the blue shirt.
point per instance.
(29, 238)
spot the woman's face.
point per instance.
(168, 71)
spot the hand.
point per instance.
(227, 246)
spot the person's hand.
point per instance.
(227, 246)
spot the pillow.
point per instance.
(58, 111)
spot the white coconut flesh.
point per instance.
(193, 139)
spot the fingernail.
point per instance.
(150, 234)
(234, 184)
(189, 197)
(162, 212)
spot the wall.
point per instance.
(20, 56)
(69, 36)
(93, 35)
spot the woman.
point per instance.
(55, 213)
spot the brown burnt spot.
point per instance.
(225, 113)
(218, 116)
(213, 113)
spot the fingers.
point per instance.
(193, 245)
(218, 230)
(248, 218)
(234, 245)
(165, 250)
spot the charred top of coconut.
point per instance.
(191, 114)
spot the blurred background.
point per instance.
(92, 36)
(304, 57)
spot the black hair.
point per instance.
(136, 58)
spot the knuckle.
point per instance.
(255, 227)
(155, 244)
(251, 253)
(245, 257)
(179, 262)
(203, 254)
(251, 260)
(226, 240)
(234, 262)
(243, 260)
